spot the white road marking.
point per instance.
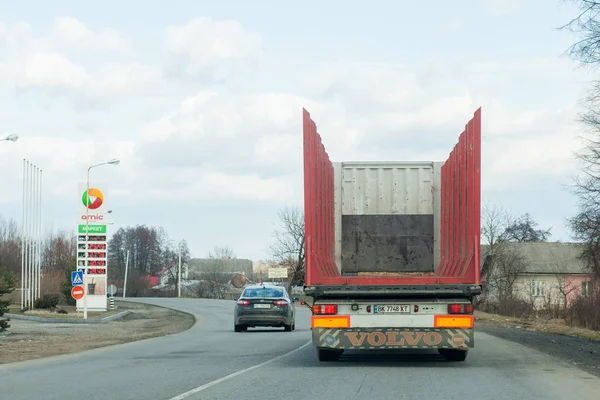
(238, 373)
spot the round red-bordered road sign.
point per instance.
(77, 292)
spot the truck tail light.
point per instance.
(460, 308)
(325, 309)
(281, 303)
(243, 303)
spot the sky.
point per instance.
(202, 103)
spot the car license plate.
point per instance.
(262, 306)
(392, 309)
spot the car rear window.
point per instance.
(260, 292)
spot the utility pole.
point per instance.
(126, 268)
(179, 274)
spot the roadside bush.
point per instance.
(585, 312)
(509, 307)
(48, 301)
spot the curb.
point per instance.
(102, 320)
(160, 306)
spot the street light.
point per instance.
(10, 138)
(114, 161)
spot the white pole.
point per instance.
(34, 248)
(29, 243)
(179, 274)
(126, 268)
(23, 239)
(26, 236)
(31, 236)
(40, 238)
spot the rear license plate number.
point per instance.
(392, 309)
(262, 306)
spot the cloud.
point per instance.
(76, 35)
(55, 72)
(218, 145)
(500, 8)
(209, 48)
(205, 49)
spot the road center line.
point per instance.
(238, 373)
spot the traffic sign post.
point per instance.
(111, 290)
(76, 278)
(77, 292)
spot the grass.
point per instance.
(555, 326)
(71, 310)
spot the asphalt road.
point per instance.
(210, 361)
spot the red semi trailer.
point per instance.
(392, 249)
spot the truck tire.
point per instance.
(453, 355)
(329, 355)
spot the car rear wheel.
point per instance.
(453, 355)
(239, 328)
(288, 328)
(329, 355)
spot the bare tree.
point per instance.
(523, 229)
(586, 24)
(60, 252)
(173, 271)
(215, 277)
(508, 264)
(494, 220)
(10, 246)
(586, 50)
(503, 261)
(288, 249)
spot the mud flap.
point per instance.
(393, 338)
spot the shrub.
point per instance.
(48, 301)
(585, 311)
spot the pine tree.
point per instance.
(7, 286)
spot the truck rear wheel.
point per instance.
(329, 355)
(453, 355)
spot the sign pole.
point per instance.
(126, 268)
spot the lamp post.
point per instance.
(114, 161)
(10, 138)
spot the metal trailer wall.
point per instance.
(388, 217)
(451, 213)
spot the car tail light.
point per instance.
(460, 308)
(325, 309)
(280, 303)
(243, 303)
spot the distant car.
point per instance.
(265, 305)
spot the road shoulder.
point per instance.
(28, 340)
(581, 352)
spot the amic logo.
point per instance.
(94, 200)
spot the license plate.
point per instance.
(262, 306)
(392, 309)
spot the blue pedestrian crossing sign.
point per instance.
(77, 278)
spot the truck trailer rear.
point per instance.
(392, 249)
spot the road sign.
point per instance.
(76, 278)
(111, 290)
(77, 292)
(278, 273)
